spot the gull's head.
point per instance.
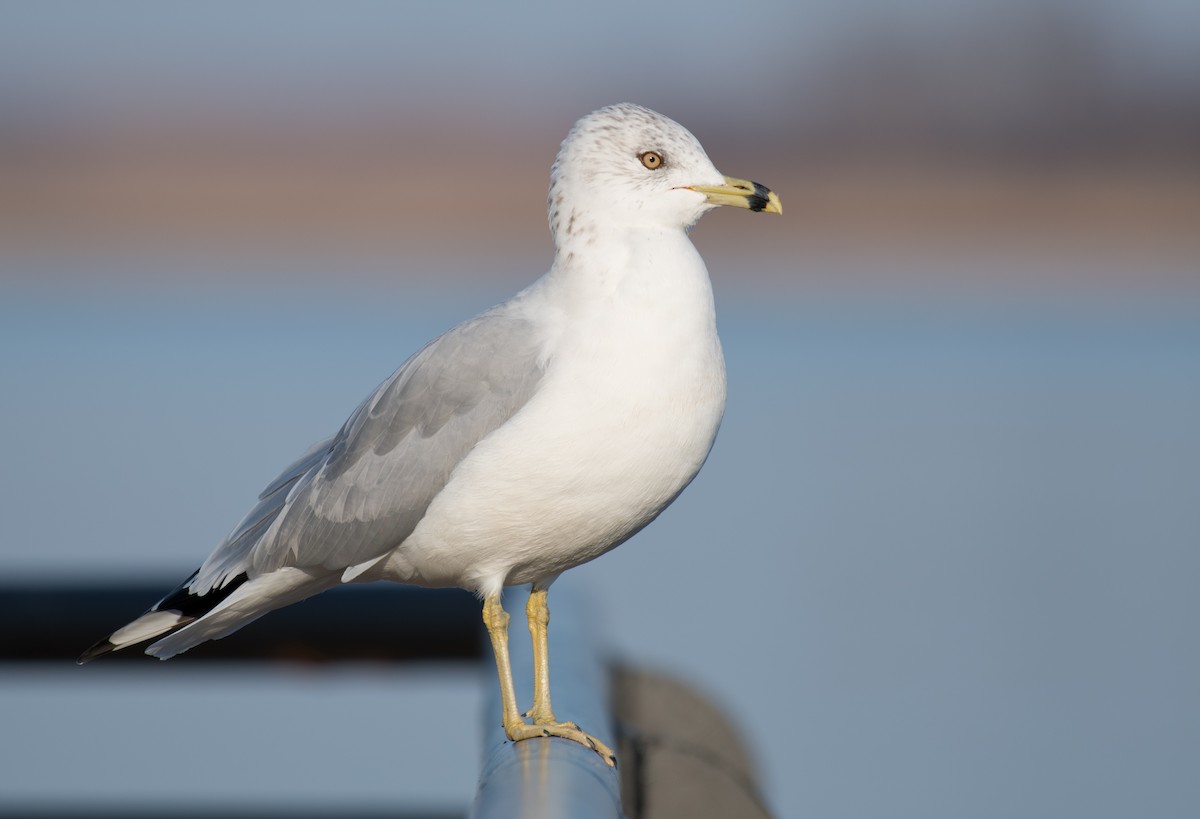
(626, 165)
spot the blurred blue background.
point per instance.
(942, 561)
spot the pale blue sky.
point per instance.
(284, 58)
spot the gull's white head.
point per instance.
(626, 165)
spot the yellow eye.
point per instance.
(651, 159)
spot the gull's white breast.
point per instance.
(622, 422)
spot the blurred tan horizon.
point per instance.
(414, 197)
(388, 191)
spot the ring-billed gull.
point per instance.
(527, 440)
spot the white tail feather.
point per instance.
(150, 624)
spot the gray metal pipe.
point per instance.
(552, 778)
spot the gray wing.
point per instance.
(355, 496)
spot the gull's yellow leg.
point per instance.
(538, 615)
(545, 725)
(495, 618)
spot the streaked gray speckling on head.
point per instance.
(598, 173)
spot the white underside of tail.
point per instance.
(248, 602)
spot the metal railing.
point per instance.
(679, 756)
(370, 622)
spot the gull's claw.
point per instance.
(564, 730)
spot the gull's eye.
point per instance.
(651, 159)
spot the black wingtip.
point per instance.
(181, 602)
(99, 649)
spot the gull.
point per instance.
(527, 440)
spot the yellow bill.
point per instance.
(741, 193)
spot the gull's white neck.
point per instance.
(637, 271)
